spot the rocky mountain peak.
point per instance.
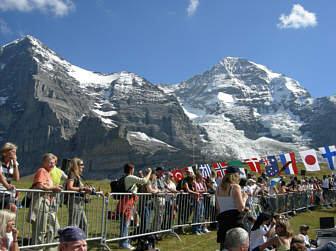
(51, 105)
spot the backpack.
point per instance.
(118, 186)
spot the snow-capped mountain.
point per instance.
(51, 105)
(236, 110)
(248, 111)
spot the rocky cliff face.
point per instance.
(49, 105)
(238, 109)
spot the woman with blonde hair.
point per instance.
(9, 170)
(76, 203)
(8, 233)
(230, 203)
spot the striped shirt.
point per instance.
(7, 173)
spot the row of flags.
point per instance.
(270, 163)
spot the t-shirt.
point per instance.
(325, 183)
(258, 237)
(306, 239)
(161, 183)
(7, 173)
(43, 176)
(56, 175)
(131, 180)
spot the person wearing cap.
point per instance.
(72, 238)
(252, 200)
(230, 203)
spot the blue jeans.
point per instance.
(198, 214)
(148, 214)
(124, 225)
(330, 246)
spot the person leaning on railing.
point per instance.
(126, 204)
(42, 214)
(9, 170)
(152, 202)
(76, 203)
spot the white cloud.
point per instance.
(298, 18)
(57, 7)
(4, 27)
(193, 4)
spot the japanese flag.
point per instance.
(309, 159)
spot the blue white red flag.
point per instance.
(291, 169)
(329, 153)
(220, 168)
(272, 169)
(205, 170)
(253, 164)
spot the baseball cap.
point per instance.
(71, 233)
(233, 169)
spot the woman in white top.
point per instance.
(8, 233)
(230, 203)
(262, 229)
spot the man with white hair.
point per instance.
(236, 239)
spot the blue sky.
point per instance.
(168, 41)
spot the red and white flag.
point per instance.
(254, 164)
(309, 159)
(190, 169)
(178, 174)
(220, 169)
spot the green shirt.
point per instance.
(131, 181)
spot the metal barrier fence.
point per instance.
(120, 217)
(47, 211)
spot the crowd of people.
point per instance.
(232, 201)
(42, 212)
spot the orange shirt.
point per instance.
(43, 176)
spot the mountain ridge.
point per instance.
(237, 109)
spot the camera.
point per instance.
(92, 188)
